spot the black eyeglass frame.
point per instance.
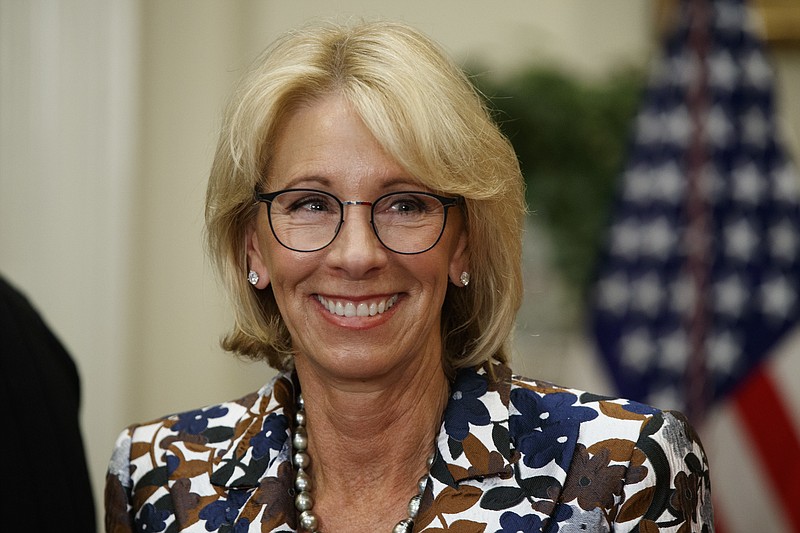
(446, 201)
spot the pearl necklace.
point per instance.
(303, 502)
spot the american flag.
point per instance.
(697, 302)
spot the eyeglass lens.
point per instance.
(405, 222)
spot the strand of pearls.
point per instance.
(303, 501)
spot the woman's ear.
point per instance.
(458, 261)
(255, 259)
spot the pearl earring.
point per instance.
(464, 278)
(252, 277)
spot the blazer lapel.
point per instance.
(545, 428)
(473, 444)
(502, 429)
(261, 440)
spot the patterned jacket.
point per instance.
(513, 455)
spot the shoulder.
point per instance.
(599, 421)
(206, 427)
(141, 448)
(599, 415)
(162, 470)
(650, 462)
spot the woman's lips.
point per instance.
(362, 308)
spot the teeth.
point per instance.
(349, 309)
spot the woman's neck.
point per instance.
(369, 443)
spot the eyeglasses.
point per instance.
(307, 220)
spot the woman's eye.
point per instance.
(407, 205)
(311, 204)
(316, 205)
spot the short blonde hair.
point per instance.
(425, 113)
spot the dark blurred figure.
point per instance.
(45, 481)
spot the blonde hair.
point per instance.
(426, 114)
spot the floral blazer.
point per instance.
(513, 455)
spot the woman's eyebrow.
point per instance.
(302, 182)
(320, 181)
(404, 182)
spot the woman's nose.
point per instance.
(356, 249)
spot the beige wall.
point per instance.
(108, 113)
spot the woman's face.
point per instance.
(325, 146)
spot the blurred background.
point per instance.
(108, 117)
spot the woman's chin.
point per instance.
(354, 364)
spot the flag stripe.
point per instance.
(785, 371)
(719, 519)
(769, 427)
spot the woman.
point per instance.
(365, 214)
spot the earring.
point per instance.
(464, 278)
(252, 277)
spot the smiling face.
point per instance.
(356, 311)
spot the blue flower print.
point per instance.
(562, 512)
(548, 444)
(546, 425)
(221, 511)
(241, 526)
(537, 411)
(271, 437)
(151, 519)
(513, 523)
(465, 406)
(640, 408)
(195, 422)
(173, 463)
